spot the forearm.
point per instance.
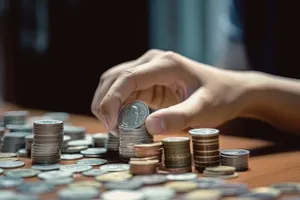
(273, 99)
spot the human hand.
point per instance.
(187, 93)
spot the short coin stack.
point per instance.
(47, 141)
(205, 147)
(237, 158)
(152, 151)
(132, 129)
(75, 132)
(100, 139)
(177, 153)
(12, 142)
(28, 143)
(15, 117)
(143, 167)
(223, 172)
(112, 144)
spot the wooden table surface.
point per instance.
(266, 167)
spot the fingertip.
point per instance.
(155, 125)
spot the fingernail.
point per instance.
(106, 122)
(156, 126)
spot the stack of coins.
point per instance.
(28, 143)
(177, 153)
(19, 128)
(112, 144)
(205, 147)
(100, 139)
(12, 142)
(152, 151)
(75, 132)
(223, 172)
(237, 158)
(15, 117)
(143, 167)
(132, 129)
(47, 141)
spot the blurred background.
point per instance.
(53, 52)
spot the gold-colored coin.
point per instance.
(182, 186)
(203, 195)
(80, 184)
(114, 176)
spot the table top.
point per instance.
(267, 166)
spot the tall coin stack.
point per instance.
(177, 155)
(47, 141)
(112, 144)
(237, 158)
(205, 147)
(12, 142)
(15, 117)
(132, 129)
(28, 143)
(152, 151)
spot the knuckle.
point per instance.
(153, 52)
(170, 56)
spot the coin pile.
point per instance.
(12, 142)
(205, 147)
(47, 141)
(100, 139)
(75, 132)
(152, 151)
(177, 153)
(143, 167)
(28, 143)
(14, 117)
(237, 158)
(19, 128)
(223, 172)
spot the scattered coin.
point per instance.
(8, 155)
(78, 193)
(93, 172)
(115, 167)
(75, 168)
(100, 139)
(20, 196)
(22, 153)
(7, 195)
(182, 177)
(21, 173)
(36, 188)
(15, 117)
(151, 179)
(182, 186)
(161, 193)
(209, 182)
(93, 184)
(70, 156)
(232, 189)
(287, 187)
(59, 181)
(11, 164)
(203, 195)
(82, 142)
(9, 159)
(55, 174)
(124, 185)
(222, 170)
(8, 182)
(75, 132)
(19, 128)
(92, 161)
(114, 176)
(46, 167)
(125, 194)
(263, 193)
(74, 149)
(93, 152)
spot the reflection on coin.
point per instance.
(203, 195)
(114, 176)
(204, 132)
(78, 193)
(11, 164)
(182, 177)
(8, 155)
(223, 169)
(93, 172)
(93, 152)
(7, 182)
(36, 188)
(22, 173)
(55, 174)
(124, 185)
(233, 152)
(287, 187)
(125, 194)
(74, 168)
(182, 186)
(232, 189)
(92, 161)
(229, 176)
(93, 184)
(46, 167)
(115, 167)
(59, 181)
(263, 193)
(151, 179)
(161, 193)
(70, 156)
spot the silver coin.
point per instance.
(62, 116)
(70, 156)
(11, 164)
(115, 167)
(8, 155)
(151, 179)
(161, 193)
(124, 185)
(21, 173)
(133, 115)
(125, 194)
(79, 143)
(204, 132)
(45, 167)
(74, 168)
(182, 177)
(78, 193)
(234, 152)
(8, 182)
(36, 188)
(232, 189)
(59, 181)
(23, 153)
(93, 172)
(287, 187)
(262, 193)
(208, 182)
(26, 197)
(176, 139)
(93, 151)
(55, 174)
(7, 195)
(92, 161)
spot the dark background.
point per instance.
(85, 39)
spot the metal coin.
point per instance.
(1, 170)
(161, 193)
(70, 156)
(74, 149)
(79, 143)
(11, 164)
(36, 188)
(287, 187)
(230, 176)
(21, 173)
(182, 186)
(9, 159)
(263, 193)
(92, 184)
(55, 174)
(8, 182)
(232, 189)
(62, 116)
(8, 155)
(114, 176)
(175, 139)
(92, 161)
(124, 185)
(115, 167)
(22, 153)
(204, 132)
(78, 193)
(234, 152)
(151, 179)
(46, 167)
(209, 182)
(125, 194)
(59, 181)
(182, 177)
(228, 169)
(75, 168)
(203, 195)
(93, 172)
(94, 151)
(7, 195)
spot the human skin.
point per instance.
(189, 94)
